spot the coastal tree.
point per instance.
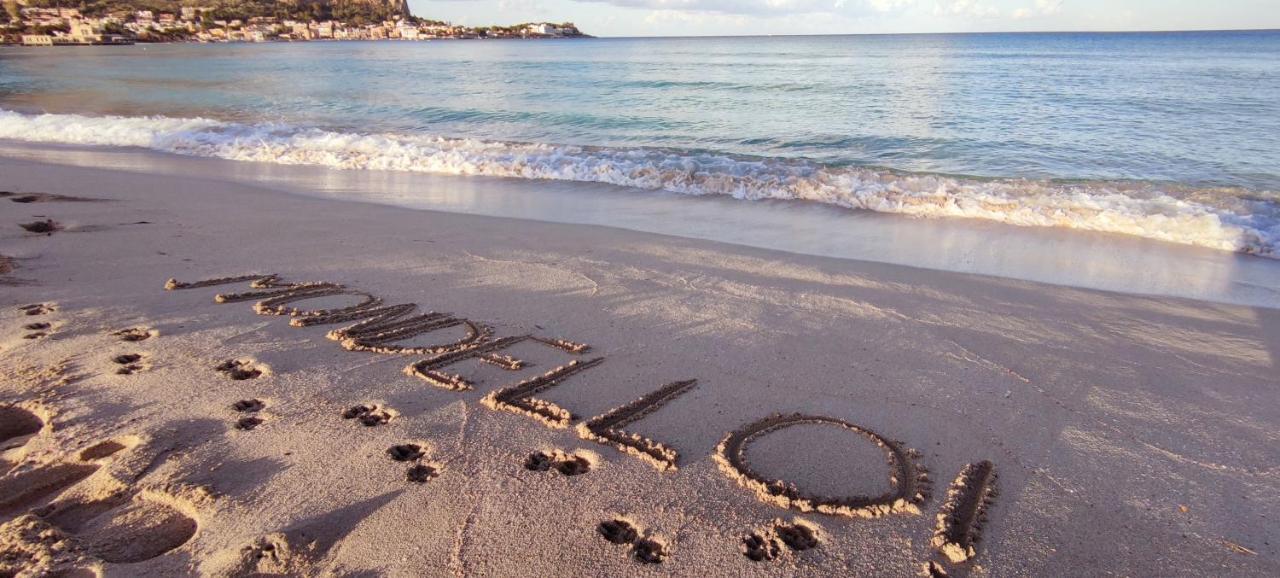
(11, 8)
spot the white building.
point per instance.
(543, 29)
(407, 31)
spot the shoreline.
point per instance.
(1231, 219)
(1113, 421)
(1073, 258)
(135, 42)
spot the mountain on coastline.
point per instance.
(319, 10)
(81, 22)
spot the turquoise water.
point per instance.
(1169, 136)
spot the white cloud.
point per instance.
(685, 17)
(965, 8)
(765, 7)
(1042, 8)
(1048, 7)
(889, 5)
(520, 5)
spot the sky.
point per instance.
(748, 17)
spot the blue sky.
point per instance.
(730, 17)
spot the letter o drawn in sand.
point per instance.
(909, 481)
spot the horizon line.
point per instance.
(983, 32)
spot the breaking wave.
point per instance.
(1219, 218)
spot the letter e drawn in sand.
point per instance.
(963, 514)
(909, 481)
(607, 428)
(431, 370)
(519, 398)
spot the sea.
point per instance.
(1144, 162)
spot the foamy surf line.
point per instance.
(1224, 219)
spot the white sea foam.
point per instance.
(1221, 219)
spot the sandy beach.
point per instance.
(534, 414)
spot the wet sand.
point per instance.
(1072, 258)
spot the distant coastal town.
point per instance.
(31, 25)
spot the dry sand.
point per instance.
(986, 426)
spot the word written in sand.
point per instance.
(372, 326)
(378, 328)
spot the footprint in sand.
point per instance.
(240, 369)
(45, 227)
(405, 452)
(647, 549)
(248, 423)
(16, 422)
(118, 526)
(17, 425)
(38, 308)
(38, 330)
(568, 464)
(25, 198)
(370, 414)
(249, 405)
(422, 473)
(618, 531)
(798, 537)
(21, 490)
(128, 532)
(252, 406)
(102, 450)
(135, 334)
(270, 555)
(130, 363)
(761, 546)
(768, 544)
(419, 473)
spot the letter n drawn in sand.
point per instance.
(607, 428)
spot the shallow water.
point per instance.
(1171, 136)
